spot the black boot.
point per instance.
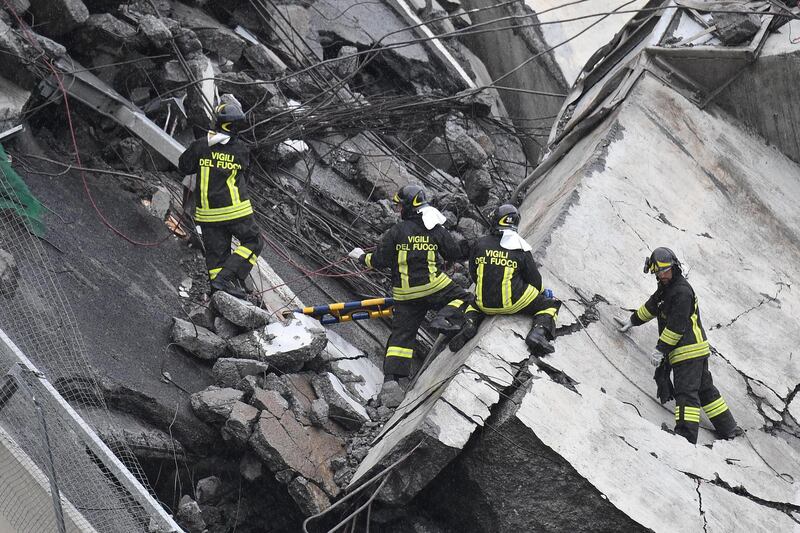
(538, 343)
(226, 285)
(732, 434)
(467, 332)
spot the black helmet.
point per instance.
(228, 118)
(506, 217)
(661, 259)
(410, 198)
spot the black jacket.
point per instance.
(506, 281)
(220, 191)
(415, 254)
(681, 333)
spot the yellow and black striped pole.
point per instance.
(348, 311)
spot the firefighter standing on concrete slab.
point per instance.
(223, 209)
(683, 345)
(413, 249)
(507, 282)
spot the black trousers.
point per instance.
(694, 389)
(407, 318)
(217, 242)
(543, 310)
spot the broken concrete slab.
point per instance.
(286, 445)
(214, 404)
(240, 312)
(464, 148)
(268, 400)
(477, 374)
(107, 33)
(228, 371)
(359, 374)
(55, 18)
(190, 516)
(342, 407)
(308, 496)
(239, 425)
(207, 489)
(477, 184)
(284, 346)
(197, 340)
(12, 102)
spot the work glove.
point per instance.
(655, 357)
(356, 253)
(624, 325)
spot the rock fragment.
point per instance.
(239, 425)
(58, 17)
(240, 312)
(284, 346)
(197, 340)
(214, 404)
(225, 328)
(228, 371)
(190, 516)
(207, 489)
(342, 408)
(308, 496)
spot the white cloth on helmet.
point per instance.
(512, 241)
(217, 138)
(431, 216)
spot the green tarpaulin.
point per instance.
(15, 196)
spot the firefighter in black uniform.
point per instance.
(683, 345)
(413, 249)
(507, 282)
(223, 210)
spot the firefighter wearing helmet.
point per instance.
(414, 250)
(682, 348)
(507, 282)
(220, 161)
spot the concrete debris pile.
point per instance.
(285, 395)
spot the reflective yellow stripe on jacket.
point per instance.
(222, 214)
(419, 291)
(509, 307)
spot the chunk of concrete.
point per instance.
(269, 400)
(465, 149)
(391, 394)
(221, 41)
(9, 274)
(239, 425)
(286, 445)
(228, 371)
(203, 316)
(207, 490)
(264, 60)
(308, 496)
(735, 28)
(284, 346)
(156, 31)
(478, 183)
(225, 328)
(360, 376)
(214, 405)
(190, 516)
(107, 33)
(240, 312)
(470, 228)
(319, 412)
(342, 407)
(55, 18)
(197, 340)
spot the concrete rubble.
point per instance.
(284, 346)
